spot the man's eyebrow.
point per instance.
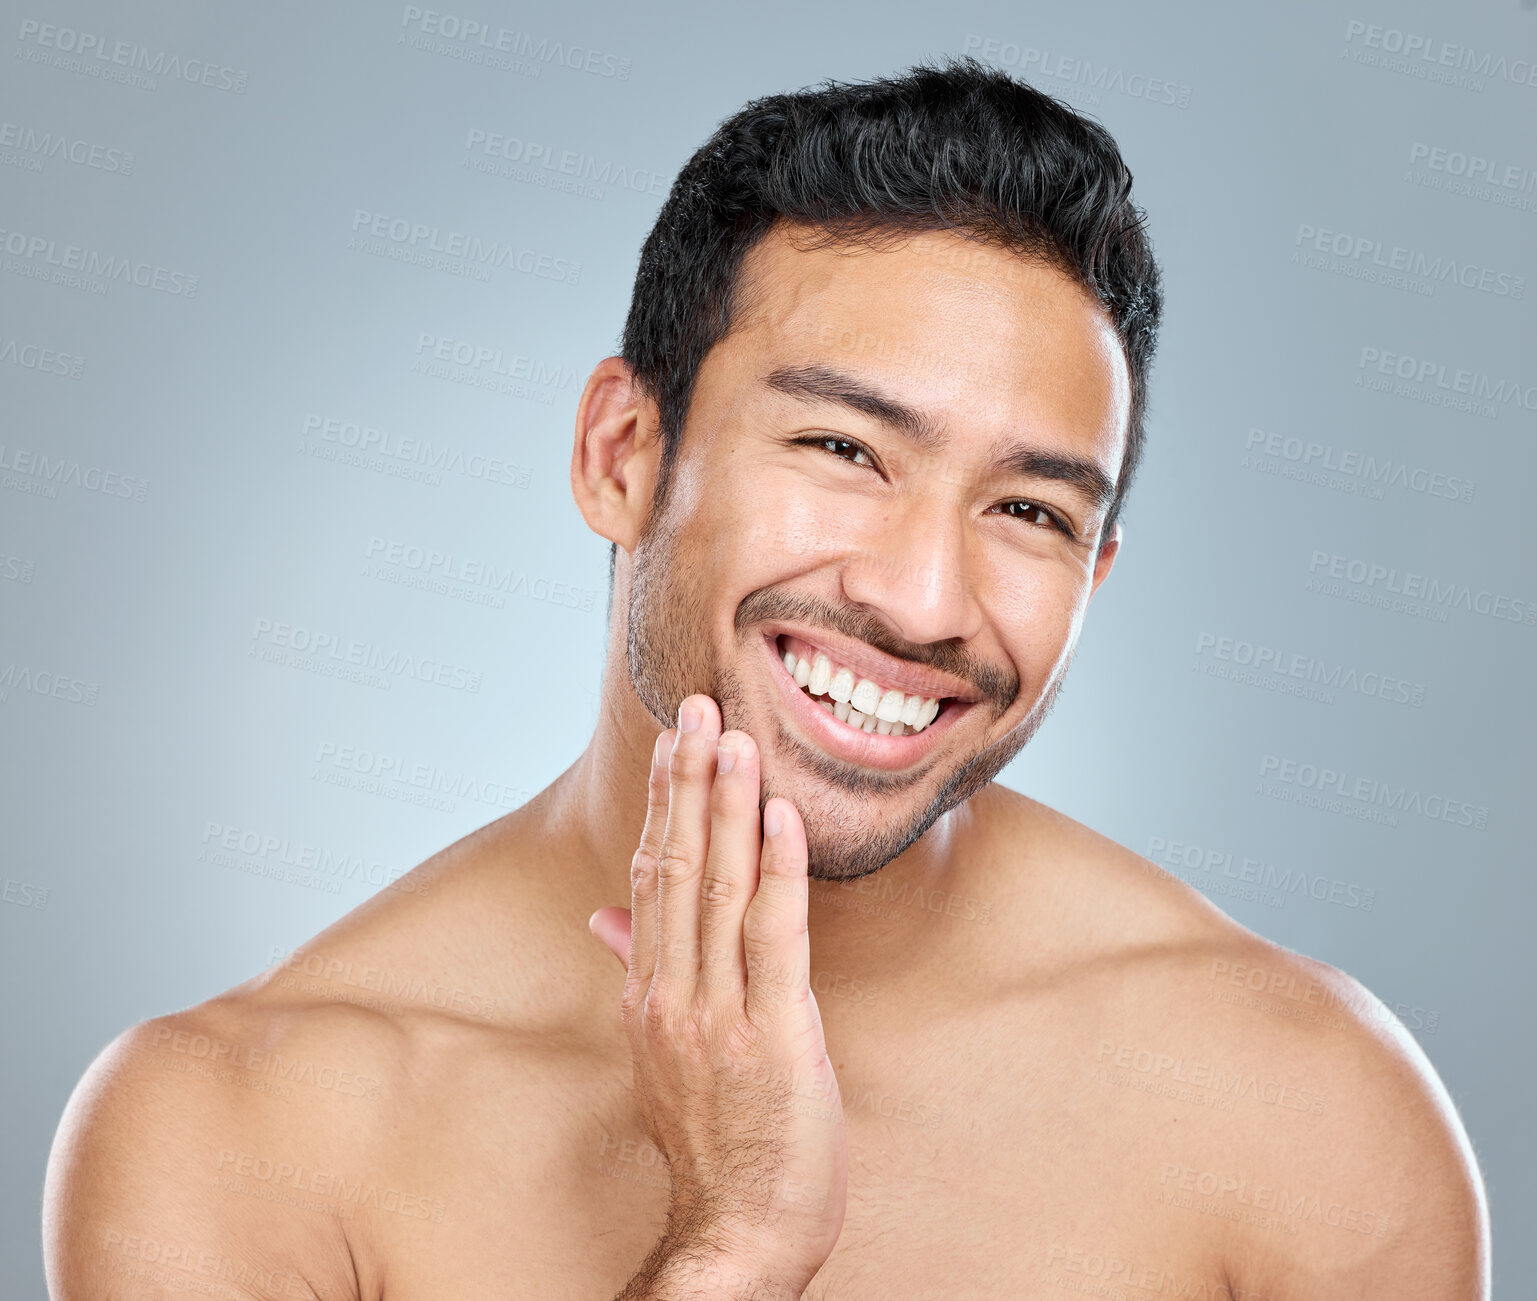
(823, 384)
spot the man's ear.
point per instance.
(1106, 557)
(616, 454)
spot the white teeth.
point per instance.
(866, 697)
(860, 703)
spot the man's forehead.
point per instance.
(935, 305)
(794, 264)
(1051, 349)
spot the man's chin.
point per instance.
(855, 851)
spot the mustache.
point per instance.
(998, 685)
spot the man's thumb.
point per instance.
(612, 926)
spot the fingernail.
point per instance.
(773, 820)
(725, 758)
(688, 717)
(661, 751)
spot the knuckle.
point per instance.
(779, 892)
(632, 1000)
(643, 871)
(656, 1009)
(719, 891)
(773, 863)
(697, 1024)
(769, 921)
(758, 931)
(674, 864)
(656, 792)
(689, 762)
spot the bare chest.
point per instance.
(996, 1186)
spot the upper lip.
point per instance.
(867, 662)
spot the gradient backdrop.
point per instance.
(293, 592)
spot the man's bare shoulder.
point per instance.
(147, 1186)
(1273, 1094)
(247, 1135)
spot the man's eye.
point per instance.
(839, 447)
(847, 449)
(1041, 515)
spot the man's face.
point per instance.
(803, 507)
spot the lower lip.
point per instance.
(870, 749)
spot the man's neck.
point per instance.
(593, 813)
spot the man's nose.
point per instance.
(916, 569)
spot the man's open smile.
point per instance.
(849, 702)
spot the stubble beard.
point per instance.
(669, 654)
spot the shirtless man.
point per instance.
(879, 1027)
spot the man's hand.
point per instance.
(731, 1069)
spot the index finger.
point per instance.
(644, 865)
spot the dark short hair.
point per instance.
(951, 146)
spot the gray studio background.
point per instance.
(277, 427)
